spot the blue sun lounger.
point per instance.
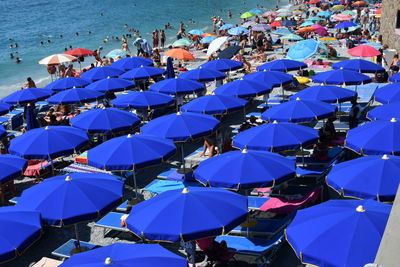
(111, 221)
(164, 175)
(255, 203)
(64, 250)
(265, 228)
(263, 249)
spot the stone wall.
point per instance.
(388, 23)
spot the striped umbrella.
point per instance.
(57, 59)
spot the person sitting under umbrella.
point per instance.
(210, 144)
(216, 252)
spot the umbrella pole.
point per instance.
(134, 182)
(302, 156)
(77, 236)
(183, 158)
(52, 167)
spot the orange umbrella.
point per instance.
(305, 30)
(358, 3)
(180, 54)
(57, 59)
(208, 34)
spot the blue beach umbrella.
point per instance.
(359, 65)
(272, 78)
(48, 142)
(314, 19)
(231, 170)
(276, 136)
(177, 86)
(142, 100)
(375, 138)
(116, 53)
(127, 255)
(371, 177)
(19, 229)
(111, 85)
(207, 39)
(226, 27)
(395, 78)
(138, 151)
(299, 110)
(198, 213)
(129, 63)
(3, 132)
(388, 94)
(203, 75)
(256, 11)
(196, 32)
(28, 95)
(302, 50)
(326, 93)
(170, 72)
(11, 167)
(100, 73)
(282, 65)
(325, 14)
(75, 96)
(338, 232)
(289, 23)
(385, 112)
(214, 104)
(181, 127)
(105, 120)
(5, 108)
(223, 65)
(243, 88)
(67, 83)
(338, 77)
(282, 31)
(143, 72)
(345, 24)
(73, 198)
(306, 24)
(238, 31)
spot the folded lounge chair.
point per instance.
(64, 250)
(111, 221)
(38, 168)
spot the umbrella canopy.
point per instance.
(282, 31)
(73, 198)
(276, 23)
(306, 23)
(203, 74)
(299, 111)
(255, 10)
(196, 32)
(57, 59)
(276, 137)
(48, 142)
(243, 88)
(289, 23)
(375, 138)
(207, 39)
(116, 53)
(99, 73)
(216, 45)
(364, 51)
(282, 65)
(66, 83)
(303, 50)
(142, 100)
(374, 45)
(179, 53)
(198, 213)
(292, 36)
(28, 95)
(74, 96)
(339, 232)
(177, 86)
(325, 14)
(238, 31)
(261, 28)
(182, 127)
(5, 108)
(387, 94)
(80, 52)
(231, 170)
(395, 78)
(314, 19)
(143, 72)
(126, 255)
(385, 112)
(229, 52)
(11, 167)
(247, 15)
(138, 151)
(338, 77)
(182, 42)
(272, 78)
(345, 24)
(226, 27)
(372, 177)
(129, 63)
(326, 93)
(223, 65)
(111, 85)
(214, 104)
(19, 229)
(320, 30)
(105, 120)
(359, 65)
(342, 17)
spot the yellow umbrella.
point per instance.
(328, 39)
(338, 7)
(247, 15)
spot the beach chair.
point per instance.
(313, 173)
(263, 249)
(255, 203)
(164, 175)
(64, 250)
(334, 153)
(16, 119)
(110, 222)
(123, 207)
(291, 199)
(264, 228)
(38, 169)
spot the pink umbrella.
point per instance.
(322, 31)
(248, 24)
(261, 28)
(269, 14)
(364, 51)
(342, 17)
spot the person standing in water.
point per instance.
(162, 38)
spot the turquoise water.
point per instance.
(30, 22)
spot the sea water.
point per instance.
(29, 22)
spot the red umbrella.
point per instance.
(80, 52)
(359, 3)
(379, 11)
(276, 24)
(313, 2)
(364, 51)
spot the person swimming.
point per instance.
(17, 60)
(11, 56)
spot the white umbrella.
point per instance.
(216, 45)
(57, 59)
